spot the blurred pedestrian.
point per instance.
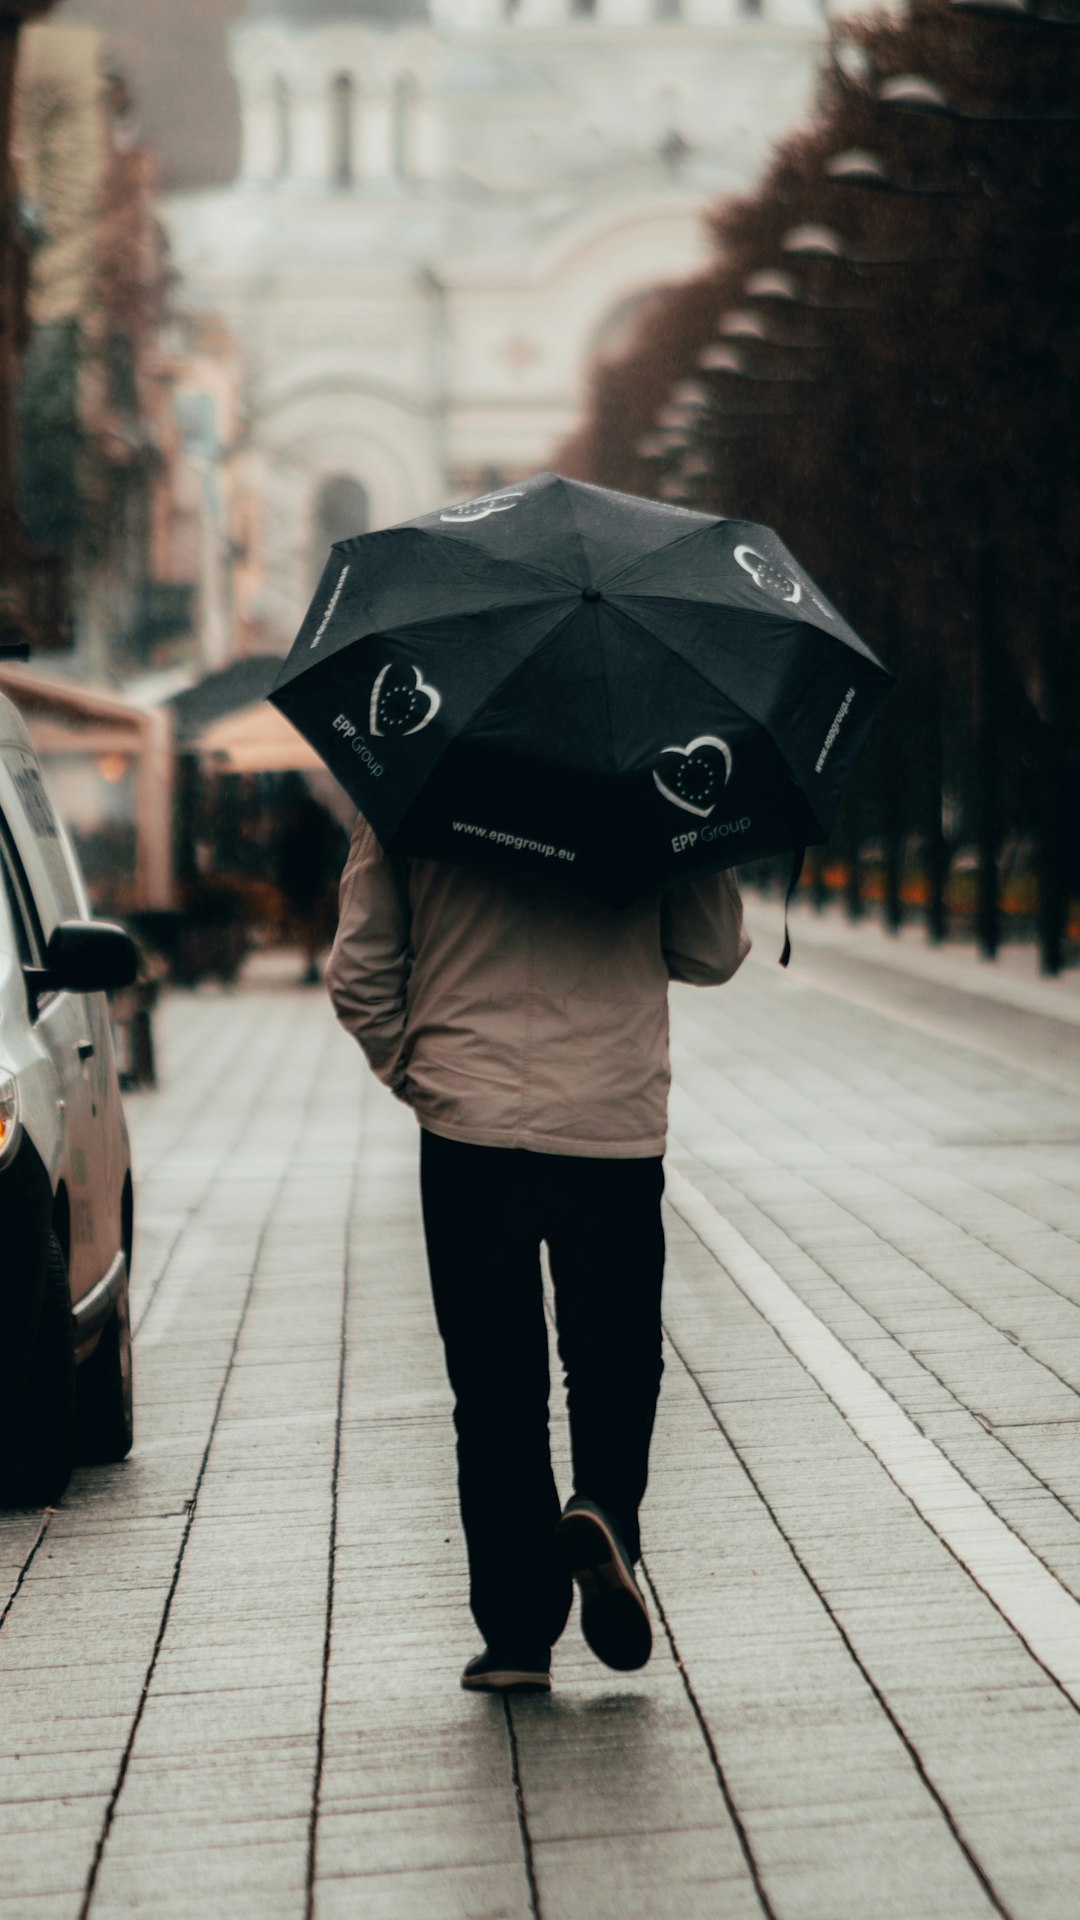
(528, 1031)
(308, 847)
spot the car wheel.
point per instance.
(41, 1453)
(106, 1393)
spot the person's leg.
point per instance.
(605, 1241)
(482, 1231)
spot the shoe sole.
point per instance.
(506, 1680)
(614, 1617)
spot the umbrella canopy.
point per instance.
(558, 679)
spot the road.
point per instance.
(228, 1668)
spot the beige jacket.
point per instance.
(510, 1014)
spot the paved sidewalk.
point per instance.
(1013, 977)
(228, 1669)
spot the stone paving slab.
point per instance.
(228, 1669)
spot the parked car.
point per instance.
(66, 1203)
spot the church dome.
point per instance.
(317, 13)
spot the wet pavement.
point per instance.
(228, 1668)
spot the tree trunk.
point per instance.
(987, 761)
(936, 848)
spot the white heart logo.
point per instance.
(767, 576)
(694, 774)
(400, 704)
(484, 504)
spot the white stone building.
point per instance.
(446, 209)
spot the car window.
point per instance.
(13, 941)
(22, 912)
(49, 840)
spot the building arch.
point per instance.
(618, 242)
(314, 434)
(281, 109)
(340, 509)
(593, 288)
(267, 53)
(343, 131)
(403, 131)
(614, 333)
(333, 381)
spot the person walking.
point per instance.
(527, 1029)
(307, 851)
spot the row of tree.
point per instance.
(883, 362)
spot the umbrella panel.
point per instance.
(812, 694)
(567, 528)
(547, 744)
(730, 563)
(557, 678)
(617, 782)
(401, 576)
(614, 839)
(382, 712)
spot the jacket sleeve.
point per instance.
(368, 970)
(701, 930)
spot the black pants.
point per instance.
(486, 1211)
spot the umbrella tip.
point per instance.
(591, 593)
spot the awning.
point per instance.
(256, 739)
(220, 694)
(65, 717)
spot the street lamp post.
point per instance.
(986, 703)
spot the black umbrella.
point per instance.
(558, 679)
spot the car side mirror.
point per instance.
(86, 956)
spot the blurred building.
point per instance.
(129, 463)
(172, 57)
(27, 588)
(446, 210)
(129, 429)
(88, 396)
(208, 520)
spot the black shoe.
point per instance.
(529, 1671)
(614, 1617)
